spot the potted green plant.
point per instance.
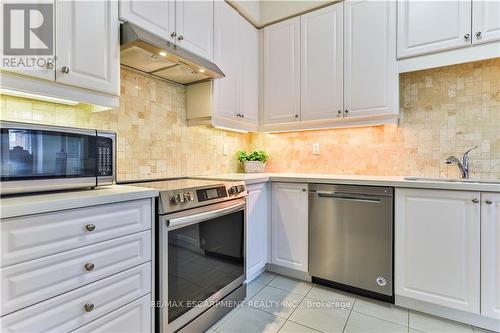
(253, 162)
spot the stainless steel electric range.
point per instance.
(200, 257)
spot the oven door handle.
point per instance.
(191, 219)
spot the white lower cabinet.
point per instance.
(256, 229)
(289, 242)
(134, 317)
(76, 308)
(490, 255)
(437, 247)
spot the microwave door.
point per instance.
(39, 160)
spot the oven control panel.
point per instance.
(211, 193)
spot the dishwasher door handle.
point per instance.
(347, 197)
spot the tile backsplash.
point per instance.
(153, 138)
(444, 111)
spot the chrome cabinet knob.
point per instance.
(88, 307)
(466, 36)
(90, 227)
(65, 70)
(180, 37)
(339, 112)
(346, 111)
(296, 116)
(478, 34)
(475, 200)
(173, 34)
(89, 267)
(488, 202)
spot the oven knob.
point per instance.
(177, 198)
(233, 190)
(188, 196)
(241, 188)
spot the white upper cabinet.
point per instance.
(189, 24)
(431, 26)
(490, 255)
(289, 232)
(370, 67)
(249, 92)
(437, 248)
(485, 21)
(87, 52)
(157, 17)
(282, 71)
(227, 57)
(195, 26)
(321, 63)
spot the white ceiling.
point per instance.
(264, 12)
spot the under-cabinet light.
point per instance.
(37, 97)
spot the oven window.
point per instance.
(203, 258)
(35, 154)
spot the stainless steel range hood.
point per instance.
(146, 52)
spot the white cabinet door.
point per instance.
(432, 26)
(249, 89)
(282, 71)
(87, 45)
(256, 229)
(290, 226)
(157, 17)
(194, 25)
(321, 63)
(227, 57)
(490, 255)
(437, 247)
(370, 75)
(485, 21)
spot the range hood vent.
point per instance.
(148, 53)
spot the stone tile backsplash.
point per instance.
(444, 111)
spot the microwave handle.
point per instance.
(192, 219)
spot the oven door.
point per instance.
(39, 158)
(201, 260)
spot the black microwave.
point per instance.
(37, 158)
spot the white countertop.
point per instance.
(27, 204)
(392, 181)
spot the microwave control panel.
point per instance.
(104, 156)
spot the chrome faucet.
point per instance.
(462, 164)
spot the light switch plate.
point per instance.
(315, 148)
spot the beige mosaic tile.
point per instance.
(153, 138)
(444, 111)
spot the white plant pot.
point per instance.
(253, 167)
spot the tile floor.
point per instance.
(276, 303)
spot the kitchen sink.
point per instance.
(454, 180)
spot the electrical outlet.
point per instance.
(315, 148)
(224, 149)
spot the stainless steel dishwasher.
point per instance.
(351, 238)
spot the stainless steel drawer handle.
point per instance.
(89, 307)
(488, 202)
(90, 227)
(475, 200)
(347, 197)
(89, 267)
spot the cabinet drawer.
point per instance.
(134, 317)
(67, 312)
(36, 236)
(37, 280)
